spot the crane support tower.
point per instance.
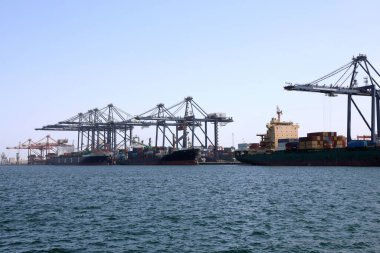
(347, 84)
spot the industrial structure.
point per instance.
(39, 150)
(347, 84)
(183, 125)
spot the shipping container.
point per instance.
(254, 146)
(357, 144)
(292, 145)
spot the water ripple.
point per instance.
(189, 209)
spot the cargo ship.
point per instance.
(364, 156)
(280, 146)
(158, 156)
(82, 158)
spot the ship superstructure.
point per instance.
(277, 131)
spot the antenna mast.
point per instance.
(279, 112)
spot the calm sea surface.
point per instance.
(189, 209)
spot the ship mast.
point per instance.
(279, 113)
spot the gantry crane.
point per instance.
(181, 126)
(187, 117)
(98, 128)
(39, 150)
(347, 84)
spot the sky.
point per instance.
(60, 58)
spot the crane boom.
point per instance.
(330, 90)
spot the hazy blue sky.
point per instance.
(59, 58)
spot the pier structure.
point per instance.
(344, 81)
(182, 125)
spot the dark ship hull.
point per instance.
(90, 159)
(178, 157)
(324, 157)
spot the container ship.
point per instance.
(82, 158)
(158, 156)
(280, 146)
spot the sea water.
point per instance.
(221, 208)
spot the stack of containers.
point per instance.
(282, 143)
(322, 140)
(340, 142)
(254, 146)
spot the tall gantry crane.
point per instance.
(347, 84)
(180, 126)
(190, 121)
(98, 128)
